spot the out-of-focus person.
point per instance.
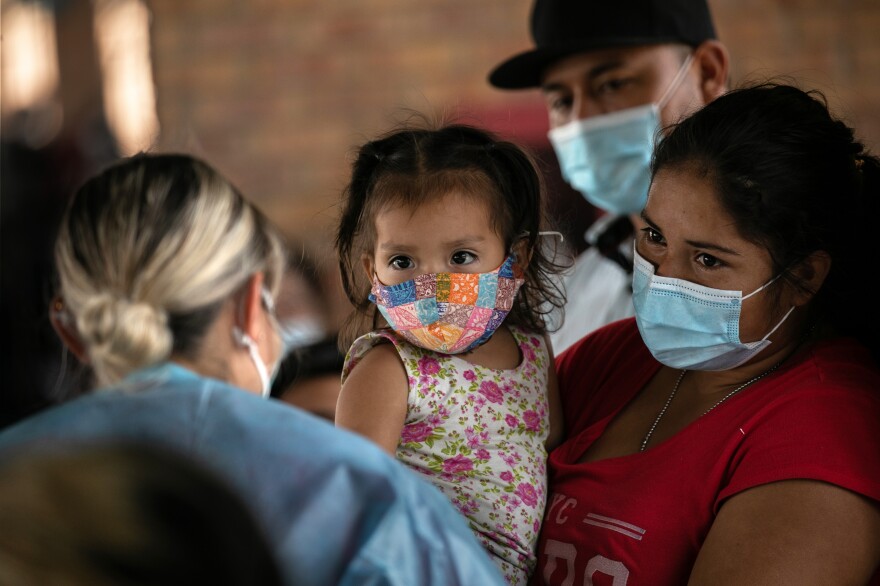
(125, 514)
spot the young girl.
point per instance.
(439, 253)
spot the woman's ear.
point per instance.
(812, 271)
(247, 317)
(714, 63)
(63, 324)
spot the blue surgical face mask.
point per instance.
(689, 326)
(301, 331)
(607, 157)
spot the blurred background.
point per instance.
(277, 93)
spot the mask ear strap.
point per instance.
(762, 287)
(245, 340)
(776, 327)
(682, 71)
(545, 233)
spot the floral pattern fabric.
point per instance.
(478, 434)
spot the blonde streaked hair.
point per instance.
(147, 252)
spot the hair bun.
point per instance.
(123, 335)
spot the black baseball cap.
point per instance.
(564, 27)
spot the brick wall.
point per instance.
(276, 93)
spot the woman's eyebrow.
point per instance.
(694, 243)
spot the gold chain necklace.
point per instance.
(721, 400)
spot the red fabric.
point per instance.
(645, 515)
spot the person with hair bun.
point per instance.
(729, 433)
(167, 285)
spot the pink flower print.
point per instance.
(536, 526)
(466, 508)
(535, 341)
(457, 464)
(511, 421)
(506, 476)
(532, 420)
(428, 365)
(416, 432)
(527, 493)
(528, 353)
(483, 454)
(491, 391)
(475, 440)
(469, 375)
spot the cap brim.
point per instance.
(523, 70)
(526, 69)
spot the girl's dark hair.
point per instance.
(416, 163)
(795, 181)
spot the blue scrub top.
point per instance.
(336, 508)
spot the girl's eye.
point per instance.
(401, 263)
(463, 257)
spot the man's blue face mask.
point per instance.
(607, 157)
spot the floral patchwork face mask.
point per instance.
(449, 313)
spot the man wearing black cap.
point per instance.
(613, 73)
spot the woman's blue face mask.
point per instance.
(689, 326)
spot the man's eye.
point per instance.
(401, 263)
(462, 258)
(612, 85)
(559, 103)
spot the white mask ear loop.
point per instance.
(544, 233)
(248, 342)
(553, 233)
(762, 287)
(676, 81)
(776, 327)
(251, 346)
(784, 317)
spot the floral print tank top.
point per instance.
(478, 434)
